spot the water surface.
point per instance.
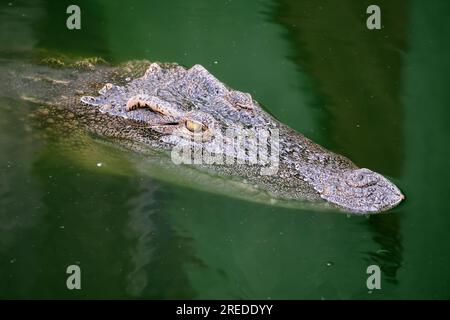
(379, 97)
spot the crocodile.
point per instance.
(163, 106)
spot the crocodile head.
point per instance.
(192, 106)
(183, 105)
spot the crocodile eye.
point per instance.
(194, 126)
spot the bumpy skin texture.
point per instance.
(158, 105)
(168, 97)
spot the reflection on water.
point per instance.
(426, 98)
(360, 101)
(142, 228)
(389, 255)
(378, 97)
(158, 254)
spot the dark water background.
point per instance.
(382, 98)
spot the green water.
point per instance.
(379, 97)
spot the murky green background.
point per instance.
(382, 98)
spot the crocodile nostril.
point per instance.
(361, 178)
(240, 100)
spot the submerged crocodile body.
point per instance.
(161, 106)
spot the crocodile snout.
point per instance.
(364, 191)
